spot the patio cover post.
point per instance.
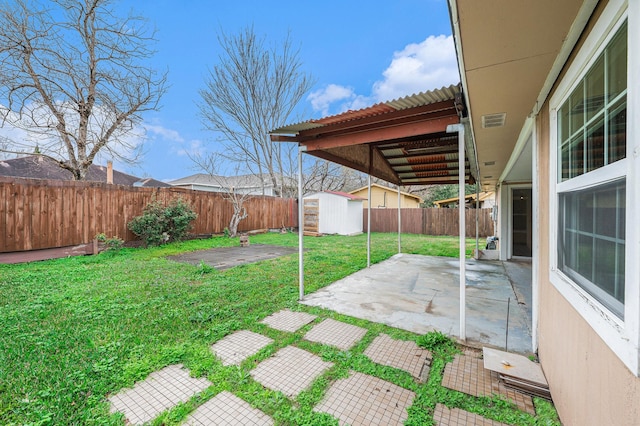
(369, 224)
(461, 167)
(477, 208)
(300, 225)
(399, 223)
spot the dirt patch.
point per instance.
(228, 257)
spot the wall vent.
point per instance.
(493, 120)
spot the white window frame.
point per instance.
(622, 336)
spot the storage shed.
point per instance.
(333, 212)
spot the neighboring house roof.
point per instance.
(468, 198)
(241, 181)
(40, 167)
(395, 191)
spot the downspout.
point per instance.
(452, 128)
(369, 223)
(477, 209)
(369, 209)
(399, 223)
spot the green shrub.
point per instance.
(112, 244)
(161, 224)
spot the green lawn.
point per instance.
(78, 329)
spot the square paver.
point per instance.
(336, 333)
(443, 416)
(227, 409)
(290, 370)
(236, 347)
(160, 391)
(287, 320)
(467, 374)
(361, 399)
(405, 355)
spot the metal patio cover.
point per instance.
(403, 141)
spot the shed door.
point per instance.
(311, 215)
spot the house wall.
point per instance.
(589, 382)
(378, 199)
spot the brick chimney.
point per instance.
(110, 172)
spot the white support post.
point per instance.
(399, 222)
(300, 227)
(536, 253)
(477, 224)
(461, 167)
(369, 224)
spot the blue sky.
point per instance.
(359, 53)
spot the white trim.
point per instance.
(569, 43)
(621, 336)
(521, 143)
(632, 267)
(535, 243)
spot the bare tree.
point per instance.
(73, 74)
(253, 90)
(231, 190)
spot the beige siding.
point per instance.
(589, 383)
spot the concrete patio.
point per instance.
(421, 294)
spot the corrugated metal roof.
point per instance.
(404, 141)
(411, 101)
(426, 98)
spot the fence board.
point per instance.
(431, 221)
(41, 214)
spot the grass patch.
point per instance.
(76, 330)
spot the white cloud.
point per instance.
(193, 148)
(322, 99)
(169, 134)
(419, 67)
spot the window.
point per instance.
(591, 181)
(591, 246)
(592, 121)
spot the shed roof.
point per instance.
(403, 141)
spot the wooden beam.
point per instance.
(380, 134)
(283, 138)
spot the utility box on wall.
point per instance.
(338, 212)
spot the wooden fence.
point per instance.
(432, 221)
(39, 214)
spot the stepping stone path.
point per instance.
(361, 399)
(455, 416)
(236, 347)
(467, 374)
(290, 370)
(287, 320)
(404, 355)
(336, 333)
(161, 391)
(227, 409)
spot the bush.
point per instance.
(114, 243)
(159, 224)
